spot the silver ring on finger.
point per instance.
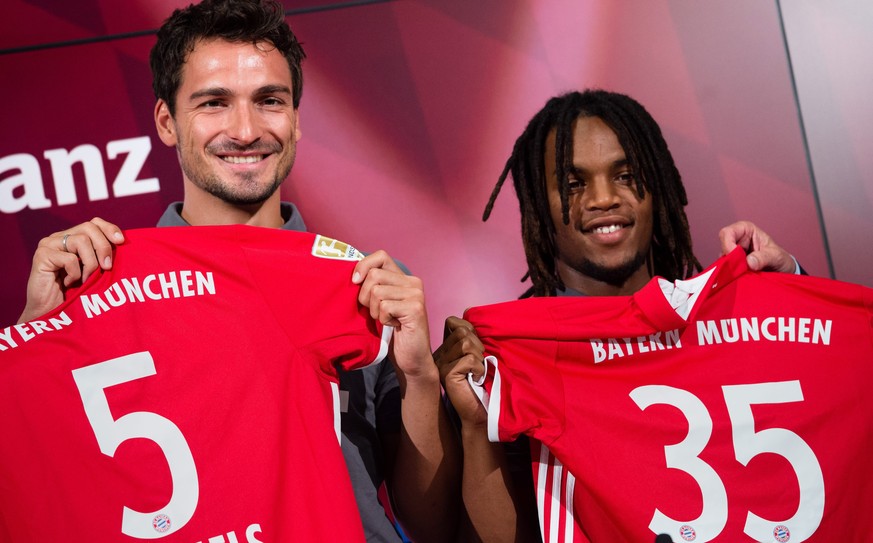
(64, 242)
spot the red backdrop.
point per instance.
(410, 109)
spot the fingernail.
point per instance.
(118, 237)
(107, 262)
(356, 278)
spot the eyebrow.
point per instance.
(621, 163)
(210, 92)
(272, 89)
(216, 92)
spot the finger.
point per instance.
(738, 233)
(464, 366)
(49, 261)
(771, 258)
(459, 338)
(467, 339)
(112, 232)
(381, 284)
(454, 323)
(99, 235)
(378, 260)
(464, 347)
(398, 310)
(81, 247)
(90, 241)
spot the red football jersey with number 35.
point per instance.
(732, 407)
(187, 395)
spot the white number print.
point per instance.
(92, 382)
(747, 444)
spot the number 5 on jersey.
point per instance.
(92, 382)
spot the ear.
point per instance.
(165, 124)
(297, 133)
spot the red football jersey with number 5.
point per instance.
(732, 407)
(187, 395)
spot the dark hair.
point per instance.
(648, 155)
(251, 21)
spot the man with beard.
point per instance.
(602, 212)
(228, 81)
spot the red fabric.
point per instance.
(244, 374)
(792, 409)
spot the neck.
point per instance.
(201, 209)
(590, 286)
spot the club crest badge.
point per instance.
(781, 534)
(687, 533)
(161, 524)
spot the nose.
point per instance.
(243, 125)
(600, 194)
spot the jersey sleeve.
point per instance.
(521, 390)
(308, 287)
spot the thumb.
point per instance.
(753, 262)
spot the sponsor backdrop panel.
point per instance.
(78, 141)
(830, 48)
(409, 112)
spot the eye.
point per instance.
(212, 104)
(272, 101)
(625, 179)
(574, 184)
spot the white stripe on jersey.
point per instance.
(334, 393)
(555, 507)
(570, 520)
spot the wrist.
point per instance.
(425, 376)
(474, 430)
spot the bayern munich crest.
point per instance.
(781, 533)
(687, 533)
(161, 523)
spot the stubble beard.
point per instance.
(613, 275)
(246, 192)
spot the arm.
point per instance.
(65, 258)
(426, 468)
(499, 508)
(762, 253)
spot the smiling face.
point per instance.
(604, 248)
(235, 128)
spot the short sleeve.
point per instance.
(306, 282)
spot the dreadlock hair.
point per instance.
(243, 21)
(648, 156)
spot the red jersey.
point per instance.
(731, 407)
(189, 394)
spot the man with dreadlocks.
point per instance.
(602, 212)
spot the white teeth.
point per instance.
(607, 229)
(243, 159)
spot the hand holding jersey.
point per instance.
(461, 354)
(489, 495)
(65, 258)
(762, 253)
(397, 299)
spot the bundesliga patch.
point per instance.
(333, 249)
